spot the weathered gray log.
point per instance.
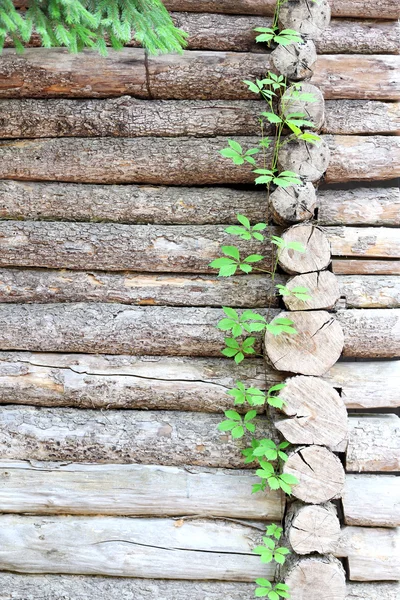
(45, 285)
(120, 436)
(295, 61)
(294, 204)
(323, 289)
(377, 242)
(367, 384)
(170, 383)
(311, 528)
(183, 161)
(378, 333)
(371, 591)
(133, 490)
(181, 205)
(41, 72)
(310, 161)
(317, 413)
(117, 247)
(359, 206)
(320, 473)
(372, 554)
(310, 20)
(366, 267)
(314, 111)
(132, 117)
(370, 291)
(372, 500)
(374, 443)
(313, 350)
(131, 547)
(316, 245)
(359, 37)
(314, 578)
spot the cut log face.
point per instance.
(317, 250)
(374, 443)
(314, 111)
(318, 414)
(306, 17)
(322, 286)
(315, 578)
(294, 204)
(312, 528)
(310, 161)
(320, 473)
(372, 500)
(313, 350)
(295, 61)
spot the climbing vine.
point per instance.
(270, 455)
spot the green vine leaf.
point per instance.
(237, 424)
(252, 395)
(236, 153)
(238, 350)
(246, 231)
(232, 261)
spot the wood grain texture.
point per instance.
(371, 500)
(359, 206)
(378, 333)
(118, 546)
(323, 290)
(370, 591)
(308, 19)
(312, 528)
(376, 242)
(315, 243)
(168, 438)
(355, 117)
(133, 490)
(315, 576)
(366, 267)
(370, 291)
(374, 444)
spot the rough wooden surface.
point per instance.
(366, 267)
(295, 61)
(131, 547)
(309, 19)
(359, 37)
(317, 413)
(182, 205)
(376, 242)
(169, 438)
(310, 161)
(378, 333)
(313, 350)
(294, 204)
(314, 110)
(133, 490)
(320, 473)
(374, 443)
(311, 528)
(370, 291)
(315, 578)
(372, 554)
(132, 117)
(317, 254)
(372, 500)
(371, 591)
(323, 289)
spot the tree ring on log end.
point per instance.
(308, 17)
(312, 528)
(293, 204)
(322, 286)
(295, 61)
(316, 578)
(309, 161)
(313, 350)
(317, 254)
(319, 414)
(320, 473)
(314, 111)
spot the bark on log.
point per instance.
(317, 250)
(310, 161)
(313, 350)
(378, 333)
(372, 500)
(374, 443)
(117, 247)
(366, 267)
(131, 117)
(41, 72)
(317, 413)
(312, 528)
(293, 205)
(104, 382)
(371, 591)
(133, 490)
(370, 291)
(309, 19)
(296, 61)
(183, 161)
(131, 547)
(44, 285)
(359, 37)
(323, 287)
(364, 241)
(181, 205)
(170, 383)
(315, 578)
(166, 438)
(372, 554)
(320, 473)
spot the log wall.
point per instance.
(114, 199)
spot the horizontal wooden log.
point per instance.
(183, 161)
(372, 500)
(374, 443)
(366, 267)
(372, 554)
(358, 206)
(131, 547)
(53, 73)
(376, 242)
(131, 117)
(118, 329)
(170, 383)
(133, 490)
(16, 586)
(370, 291)
(169, 438)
